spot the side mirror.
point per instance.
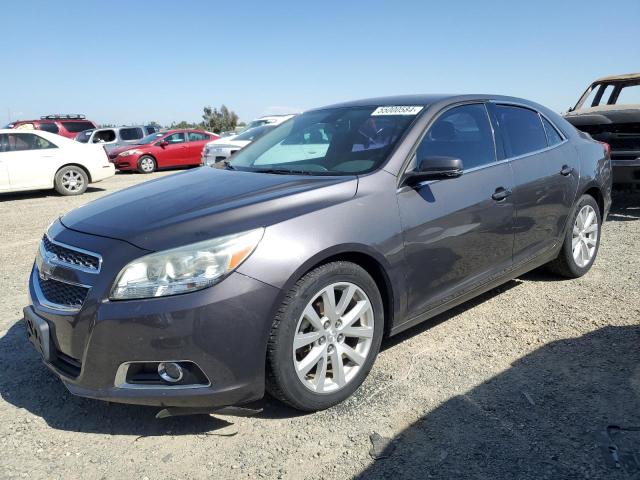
(435, 167)
(162, 143)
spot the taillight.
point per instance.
(607, 149)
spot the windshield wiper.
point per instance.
(228, 166)
(283, 171)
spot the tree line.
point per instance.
(213, 120)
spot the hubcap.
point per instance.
(333, 337)
(72, 181)
(146, 164)
(584, 238)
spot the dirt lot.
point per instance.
(520, 383)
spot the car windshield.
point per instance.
(335, 141)
(254, 133)
(150, 138)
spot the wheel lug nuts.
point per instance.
(327, 324)
(340, 337)
(338, 324)
(330, 349)
(321, 340)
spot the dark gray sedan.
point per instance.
(286, 268)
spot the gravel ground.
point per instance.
(539, 378)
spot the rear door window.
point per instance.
(133, 133)
(49, 127)
(77, 126)
(197, 137)
(462, 132)
(522, 130)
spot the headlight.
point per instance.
(126, 153)
(184, 269)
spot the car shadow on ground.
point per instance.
(570, 409)
(30, 195)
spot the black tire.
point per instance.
(564, 264)
(147, 164)
(282, 380)
(71, 180)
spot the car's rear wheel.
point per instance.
(581, 242)
(71, 180)
(325, 337)
(146, 164)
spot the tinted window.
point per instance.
(175, 138)
(253, 133)
(104, 136)
(463, 132)
(553, 137)
(49, 127)
(131, 133)
(629, 95)
(151, 129)
(83, 137)
(27, 141)
(197, 136)
(522, 130)
(77, 127)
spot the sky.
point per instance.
(124, 62)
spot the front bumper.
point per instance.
(223, 330)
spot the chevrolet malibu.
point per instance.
(283, 270)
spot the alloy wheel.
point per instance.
(333, 337)
(72, 181)
(584, 239)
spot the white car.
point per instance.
(221, 149)
(34, 160)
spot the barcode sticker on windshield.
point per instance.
(397, 110)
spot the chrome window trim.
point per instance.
(35, 281)
(121, 377)
(58, 262)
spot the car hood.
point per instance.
(119, 150)
(205, 203)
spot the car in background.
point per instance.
(114, 137)
(609, 111)
(35, 160)
(66, 125)
(173, 148)
(268, 120)
(221, 149)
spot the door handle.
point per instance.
(566, 170)
(500, 194)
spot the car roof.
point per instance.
(613, 78)
(53, 137)
(425, 100)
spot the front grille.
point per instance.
(61, 293)
(71, 257)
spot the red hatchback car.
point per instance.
(173, 148)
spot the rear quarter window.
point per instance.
(49, 127)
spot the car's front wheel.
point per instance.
(146, 164)
(581, 241)
(325, 337)
(71, 180)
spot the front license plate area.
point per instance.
(39, 335)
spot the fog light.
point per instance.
(170, 372)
